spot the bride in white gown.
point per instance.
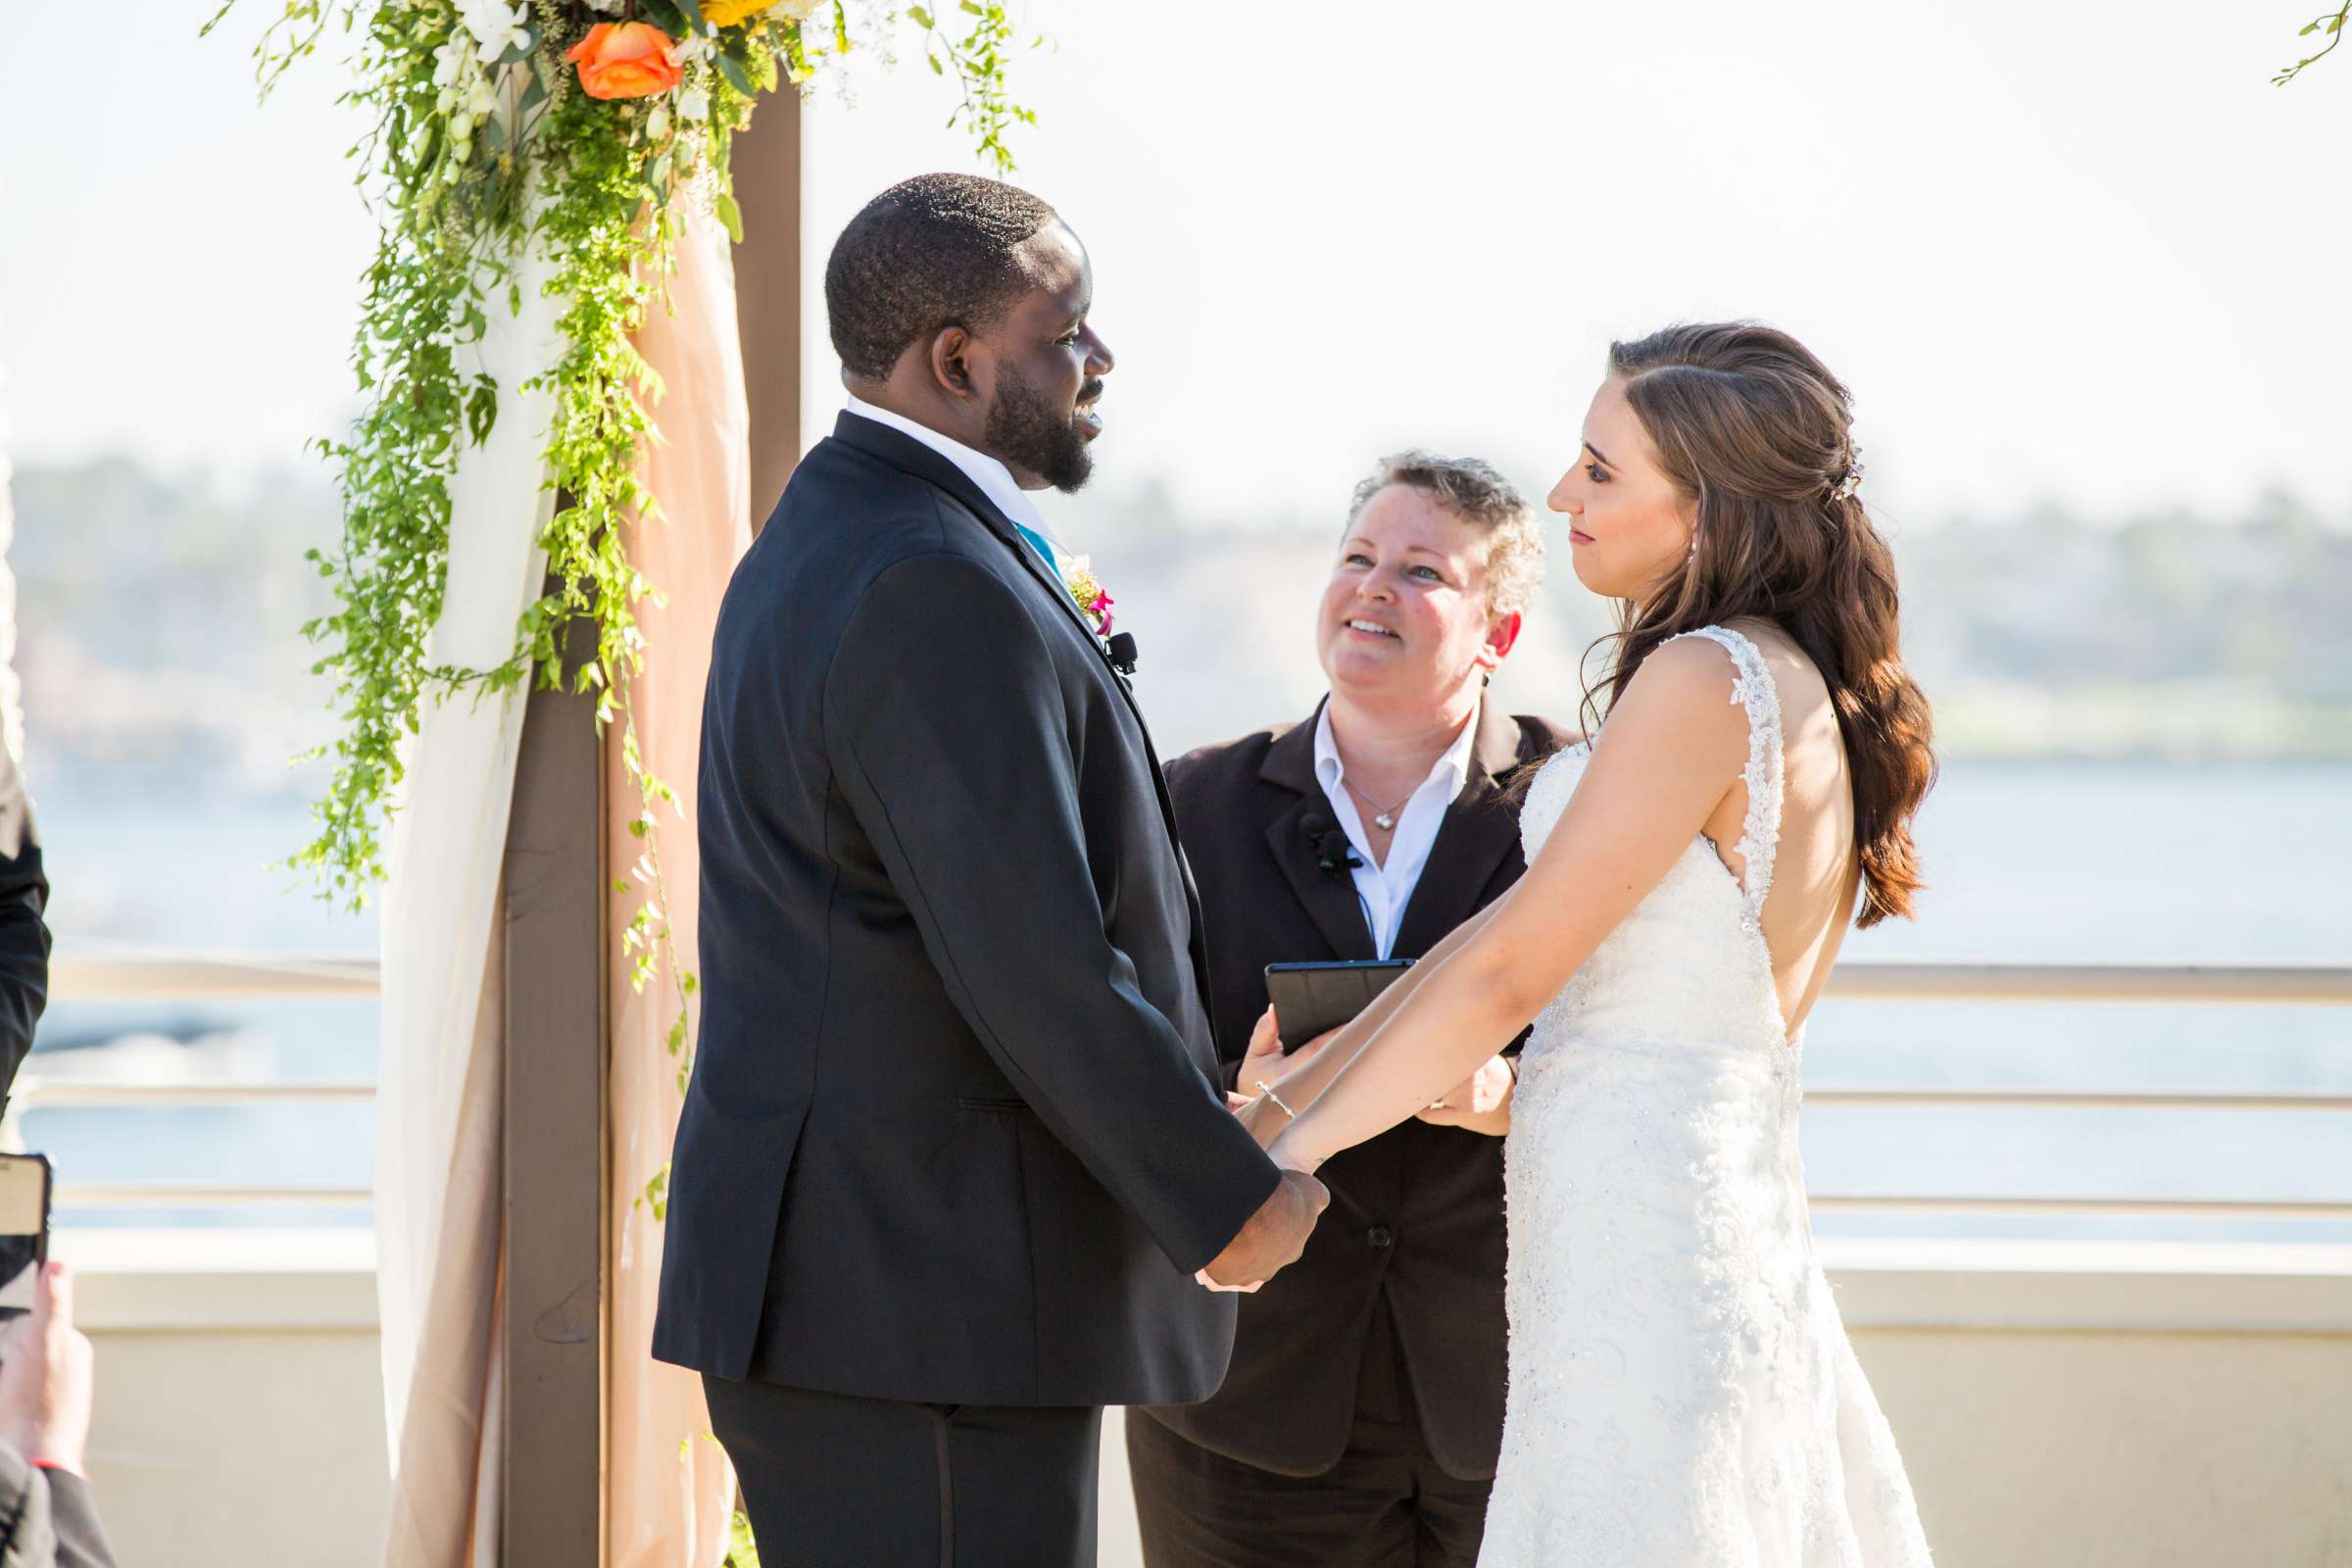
(1682, 1391)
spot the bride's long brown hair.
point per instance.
(1746, 422)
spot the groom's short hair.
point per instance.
(931, 251)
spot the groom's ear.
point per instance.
(953, 371)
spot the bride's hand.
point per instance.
(1264, 1063)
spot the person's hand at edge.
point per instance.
(1480, 1103)
(47, 1378)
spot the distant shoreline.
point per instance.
(2181, 723)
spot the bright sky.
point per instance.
(2062, 252)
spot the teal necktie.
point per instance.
(1045, 551)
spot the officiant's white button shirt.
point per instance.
(1385, 890)
(993, 477)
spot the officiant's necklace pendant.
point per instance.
(1384, 816)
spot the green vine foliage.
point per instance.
(483, 142)
(2329, 24)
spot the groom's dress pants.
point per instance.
(833, 1480)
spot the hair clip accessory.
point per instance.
(1849, 486)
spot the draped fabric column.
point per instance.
(437, 1141)
(671, 1489)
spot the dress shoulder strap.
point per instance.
(1754, 688)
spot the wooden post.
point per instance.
(766, 167)
(556, 1138)
(553, 1315)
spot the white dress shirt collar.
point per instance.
(1384, 888)
(992, 476)
(1450, 771)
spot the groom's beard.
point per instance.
(1025, 430)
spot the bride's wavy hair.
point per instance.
(1751, 426)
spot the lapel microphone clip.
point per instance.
(1120, 645)
(1334, 854)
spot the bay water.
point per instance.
(2039, 861)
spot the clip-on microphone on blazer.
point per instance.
(1333, 853)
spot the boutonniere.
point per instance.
(1093, 599)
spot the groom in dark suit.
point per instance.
(953, 1148)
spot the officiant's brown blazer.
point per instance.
(1416, 1213)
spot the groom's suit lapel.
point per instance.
(902, 451)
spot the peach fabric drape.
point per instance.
(670, 1486)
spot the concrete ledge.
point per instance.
(2060, 1404)
(2126, 1287)
(200, 1281)
(195, 1280)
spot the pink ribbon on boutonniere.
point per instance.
(1093, 599)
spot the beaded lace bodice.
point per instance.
(1682, 1392)
(1690, 963)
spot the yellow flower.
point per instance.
(1088, 593)
(727, 13)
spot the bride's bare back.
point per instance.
(1816, 874)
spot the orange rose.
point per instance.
(625, 60)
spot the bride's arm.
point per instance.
(1674, 746)
(1300, 1083)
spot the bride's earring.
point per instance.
(1693, 555)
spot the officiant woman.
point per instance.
(1361, 1418)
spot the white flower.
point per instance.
(694, 102)
(689, 49)
(495, 24)
(657, 122)
(481, 100)
(797, 10)
(450, 58)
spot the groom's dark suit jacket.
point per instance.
(953, 1133)
(1416, 1213)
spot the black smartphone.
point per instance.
(23, 1229)
(1312, 997)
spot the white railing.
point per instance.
(179, 977)
(173, 977)
(183, 975)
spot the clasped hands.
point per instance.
(1479, 1103)
(1277, 1233)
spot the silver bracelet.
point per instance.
(1266, 1089)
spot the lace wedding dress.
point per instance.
(1682, 1392)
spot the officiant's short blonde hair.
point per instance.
(1476, 492)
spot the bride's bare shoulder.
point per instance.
(1682, 690)
(1683, 668)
